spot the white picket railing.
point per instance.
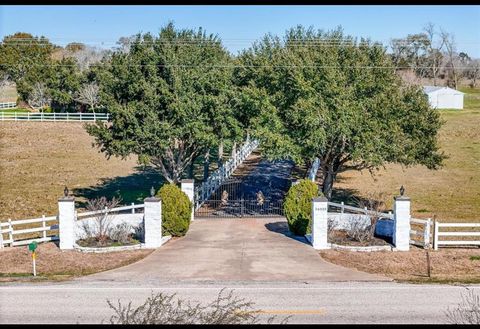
(437, 233)
(423, 237)
(132, 207)
(14, 238)
(46, 117)
(364, 211)
(8, 105)
(203, 191)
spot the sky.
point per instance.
(238, 26)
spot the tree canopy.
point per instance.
(167, 97)
(327, 95)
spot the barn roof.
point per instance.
(430, 89)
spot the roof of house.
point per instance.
(430, 89)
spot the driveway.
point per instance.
(217, 250)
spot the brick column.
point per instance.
(66, 222)
(401, 227)
(187, 187)
(319, 223)
(152, 220)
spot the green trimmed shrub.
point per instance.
(298, 206)
(176, 210)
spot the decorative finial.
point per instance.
(152, 192)
(402, 190)
(65, 191)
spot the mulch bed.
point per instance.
(340, 237)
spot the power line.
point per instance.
(249, 66)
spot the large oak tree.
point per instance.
(167, 97)
(327, 95)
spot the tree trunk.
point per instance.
(191, 168)
(327, 185)
(206, 165)
(220, 154)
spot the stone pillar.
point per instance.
(187, 187)
(401, 226)
(152, 221)
(320, 223)
(66, 222)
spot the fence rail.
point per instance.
(14, 235)
(46, 117)
(203, 191)
(132, 207)
(437, 233)
(342, 207)
(8, 105)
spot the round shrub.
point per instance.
(298, 206)
(176, 210)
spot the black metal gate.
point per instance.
(234, 199)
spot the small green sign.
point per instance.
(32, 246)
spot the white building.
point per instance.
(444, 97)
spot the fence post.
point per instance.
(435, 234)
(426, 232)
(44, 225)
(152, 221)
(401, 228)
(66, 222)
(133, 209)
(1, 238)
(67, 116)
(10, 232)
(41, 116)
(320, 223)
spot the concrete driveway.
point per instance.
(234, 250)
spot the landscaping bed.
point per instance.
(449, 265)
(341, 237)
(55, 264)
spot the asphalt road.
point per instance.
(310, 302)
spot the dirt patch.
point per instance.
(52, 263)
(447, 265)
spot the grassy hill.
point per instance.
(452, 192)
(38, 159)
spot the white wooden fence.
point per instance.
(341, 208)
(15, 238)
(45, 117)
(438, 233)
(8, 105)
(421, 237)
(13, 234)
(203, 191)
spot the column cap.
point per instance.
(401, 198)
(320, 199)
(66, 198)
(187, 181)
(152, 199)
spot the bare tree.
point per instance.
(102, 218)
(473, 72)
(88, 94)
(85, 56)
(451, 64)
(39, 97)
(434, 50)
